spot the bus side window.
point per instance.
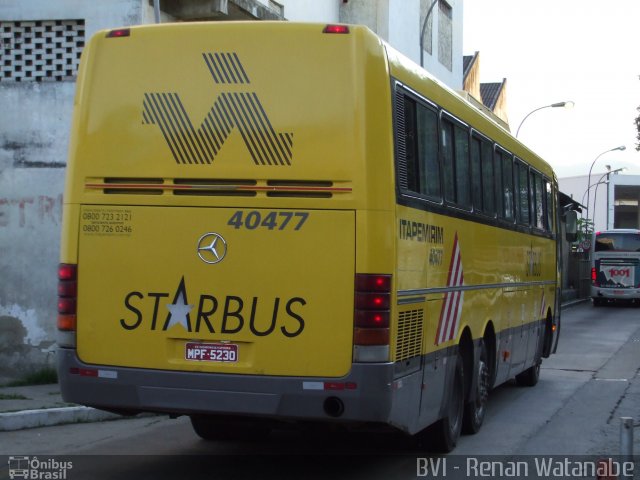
(463, 184)
(476, 174)
(413, 167)
(522, 192)
(538, 201)
(427, 129)
(446, 147)
(421, 148)
(498, 184)
(507, 184)
(488, 180)
(455, 159)
(550, 205)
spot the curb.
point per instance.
(52, 416)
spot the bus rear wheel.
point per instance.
(214, 428)
(474, 410)
(530, 377)
(444, 434)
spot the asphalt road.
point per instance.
(574, 410)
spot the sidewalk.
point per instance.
(41, 406)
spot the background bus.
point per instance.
(615, 266)
(270, 224)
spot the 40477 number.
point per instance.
(270, 220)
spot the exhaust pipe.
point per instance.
(334, 407)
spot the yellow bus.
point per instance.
(271, 224)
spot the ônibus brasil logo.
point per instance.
(241, 110)
(40, 469)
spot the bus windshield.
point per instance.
(617, 242)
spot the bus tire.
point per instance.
(444, 434)
(474, 410)
(213, 428)
(530, 377)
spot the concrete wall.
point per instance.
(34, 131)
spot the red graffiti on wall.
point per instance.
(30, 210)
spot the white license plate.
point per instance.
(211, 352)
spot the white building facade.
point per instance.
(613, 198)
(400, 23)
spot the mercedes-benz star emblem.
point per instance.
(212, 248)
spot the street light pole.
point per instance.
(595, 194)
(424, 28)
(567, 104)
(595, 197)
(621, 148)
(602, 181)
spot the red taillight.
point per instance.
(373, 283)
(340, 29)
(372, 319)
(372, 309)
(67, 289)
(67, 306)
(67, 271)
(119, 33)
(594, 276)
(371, 336)
(373, 301)
(67, 296)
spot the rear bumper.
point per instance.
(615, 293)
(138, 390)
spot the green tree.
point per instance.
(585, 229)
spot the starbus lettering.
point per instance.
(241, 110)
(228, 315)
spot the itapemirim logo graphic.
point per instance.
(38, 469)
(241, 110)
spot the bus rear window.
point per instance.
(617, 242)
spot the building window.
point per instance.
(427, 40)
(445, 35)
(40, 50)
(277, 7)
